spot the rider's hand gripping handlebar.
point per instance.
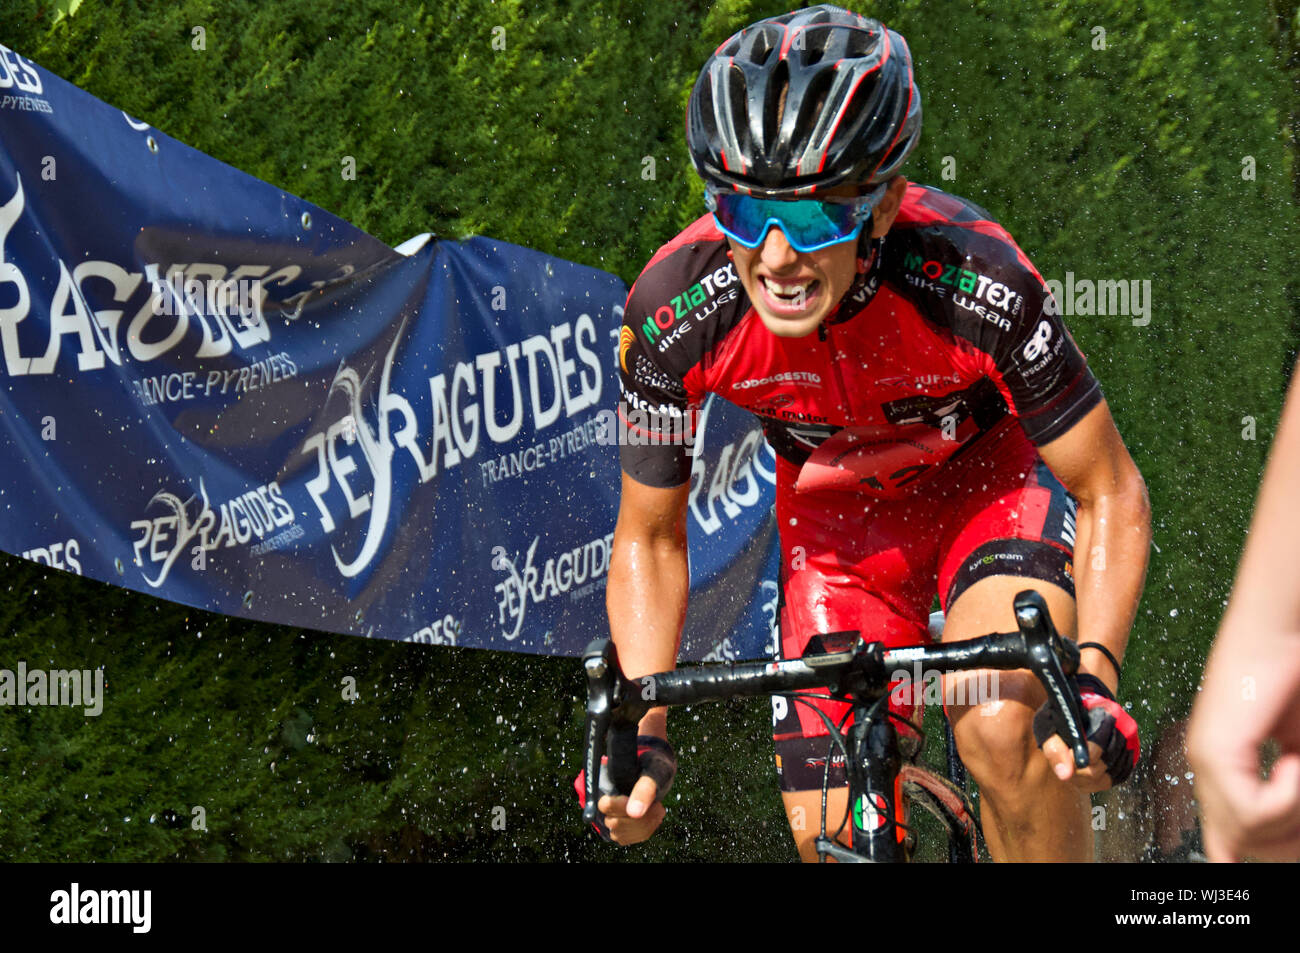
(606, 688)
(1051, 657)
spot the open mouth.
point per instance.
(790, 297)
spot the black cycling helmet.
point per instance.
(851, 112)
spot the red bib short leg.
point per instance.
(853, 562)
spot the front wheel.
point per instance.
(949, 804)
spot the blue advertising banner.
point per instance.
(221, 395)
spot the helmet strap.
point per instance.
(866, 253)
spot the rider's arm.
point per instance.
(646, 602)
(648, 575)
(1112, 535)
(1045, 378)
(648, 582)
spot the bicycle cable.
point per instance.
(836, 738)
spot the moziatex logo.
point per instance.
(670, 321)
(939, 276)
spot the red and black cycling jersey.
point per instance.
(950, 330)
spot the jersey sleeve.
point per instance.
(655, 416)
(969, 275)
(1041, 368)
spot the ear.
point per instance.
(864, 264)
(883, 215)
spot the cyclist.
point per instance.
(935, 426)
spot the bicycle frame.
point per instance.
(872, 768)
(877, 789)
(882, 786)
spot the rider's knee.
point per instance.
(995, 738)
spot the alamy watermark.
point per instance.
(178, 295)
(1106, 296)
(76, 905)
(635, 424)
(70, 688)
(925, 686)
(628, 426)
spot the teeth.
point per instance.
(786, 290)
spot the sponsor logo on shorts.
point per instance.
(991, 558)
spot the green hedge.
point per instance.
(1117, 163)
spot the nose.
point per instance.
(777, 254)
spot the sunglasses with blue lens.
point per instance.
(808, 224)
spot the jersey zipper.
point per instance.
(824, 332)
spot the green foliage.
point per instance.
(533, 123)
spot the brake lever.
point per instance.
(600, 662)
(1054, 660)
(610, 730)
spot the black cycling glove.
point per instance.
(655, 759)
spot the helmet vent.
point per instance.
(861, 43)
(814, 102)
(896, 154)
(855, 117)
(706, 108)
(774, 107)
(761, 47)
(739, 112)
(815, 42)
